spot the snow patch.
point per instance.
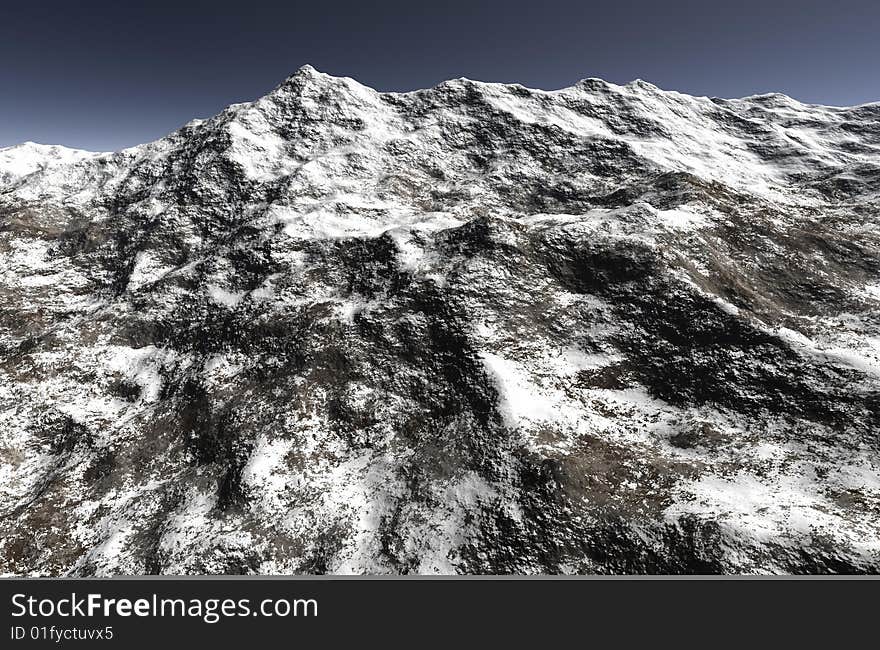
(140, 365)
(519, 399)
(147, 269)
(225, 297)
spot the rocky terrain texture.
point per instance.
(477, 328)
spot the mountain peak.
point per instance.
(307, 74)
(307, 71)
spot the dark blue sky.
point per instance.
(104, 75)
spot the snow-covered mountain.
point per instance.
(476, 328)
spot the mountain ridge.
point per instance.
(312, 71)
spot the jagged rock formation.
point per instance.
(476, 328)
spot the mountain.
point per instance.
(478, 328)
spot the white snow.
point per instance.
(147, 269)
(683, 218)
(520, 400)
(225, 297)
(862, 352)
(24, 159)
(140, 365)
(773, 508)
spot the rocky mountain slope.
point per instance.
(478, 328)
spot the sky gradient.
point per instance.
(105, 75)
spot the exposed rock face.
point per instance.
(477, 329)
